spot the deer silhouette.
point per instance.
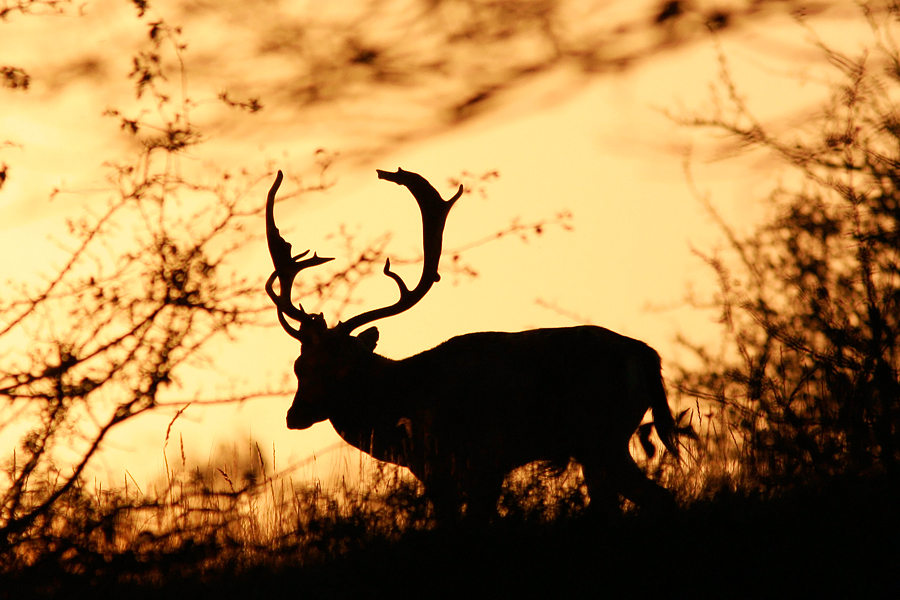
(464, 414)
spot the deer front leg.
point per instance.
(445, 497)
(482, 493)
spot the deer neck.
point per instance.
(376, 402)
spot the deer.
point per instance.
(464, 414)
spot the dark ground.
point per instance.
(840, 540)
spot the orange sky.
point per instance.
(595, 145)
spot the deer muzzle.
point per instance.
(302, 417)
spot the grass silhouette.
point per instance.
(239, 531)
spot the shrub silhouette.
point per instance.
(807, 383)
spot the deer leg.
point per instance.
(446, 498)
(612, 473)
(634, 485)
(446, 510)
(481, 497)
(601, 489)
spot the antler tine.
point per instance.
(286, 267)
(434, 217)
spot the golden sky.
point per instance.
(593, 143)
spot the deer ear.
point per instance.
(369, 338)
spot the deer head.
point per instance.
(334, 365)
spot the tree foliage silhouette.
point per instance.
(807, 381)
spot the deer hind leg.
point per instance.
(618, 474)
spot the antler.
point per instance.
(434, 216)
(286, 268)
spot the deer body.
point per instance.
(464, 414)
